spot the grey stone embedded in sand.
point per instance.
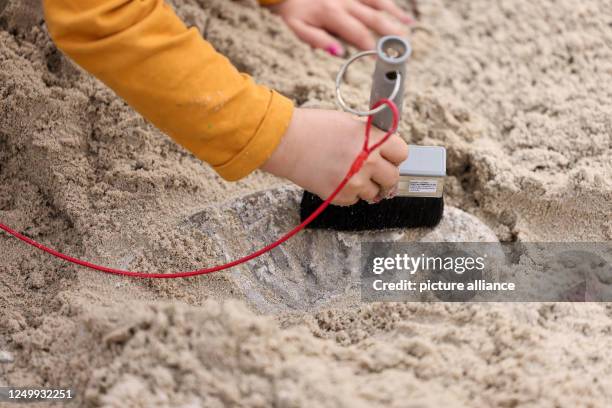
(315, 267)
(459, 226)
(6, 357)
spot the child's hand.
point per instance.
(314, 21)
(319, 147)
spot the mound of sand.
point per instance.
(519, 93)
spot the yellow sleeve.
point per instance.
(173, 78)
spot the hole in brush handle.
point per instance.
(391, 76)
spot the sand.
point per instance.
(518, 91)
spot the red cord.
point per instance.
(355, 167)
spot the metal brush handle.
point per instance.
(390, 73)
(388, 80)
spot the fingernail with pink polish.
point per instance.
(335, 50)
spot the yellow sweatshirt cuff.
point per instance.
(264, 142)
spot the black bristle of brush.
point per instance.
(394, 213)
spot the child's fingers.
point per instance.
(386, 175)
(345, 201)
(395, 150)
(390, 7)
(316, 37)
(351, 29)
(376, 20)
(369, 192)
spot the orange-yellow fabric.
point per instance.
(174, 78)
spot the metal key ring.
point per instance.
(340, 77)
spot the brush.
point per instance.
(419, 201)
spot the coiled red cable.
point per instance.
(355, 167)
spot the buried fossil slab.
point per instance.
(316, 267)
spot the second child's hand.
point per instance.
(316, 22)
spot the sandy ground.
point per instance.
(520, 93)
